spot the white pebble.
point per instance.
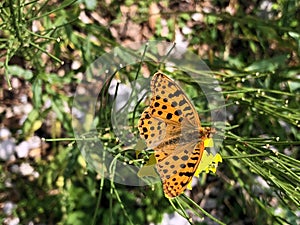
(34, 142)
(173, 219)
(4, 133)
(8, 207)
(197, 16)
(8, 183)
(26, 169)
(27, 108)
(35, 174)
(186, 30)
(17, 109)
(11, 221)
(22, 149)
(23, 98)
(75, 65)
(7, 148)
(15, 168)
(15, 83)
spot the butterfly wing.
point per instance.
(177, 154)
(152, 129)
(177, 182)
(170, 103)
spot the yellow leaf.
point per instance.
(60, 181)
(209, 162)
(208, 142)
(149, 168)
(140, 145)
(81, 161)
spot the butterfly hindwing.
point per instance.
(175, 184)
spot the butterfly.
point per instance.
(171, 127)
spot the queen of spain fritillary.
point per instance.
(172, 128)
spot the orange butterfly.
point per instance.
(172, 128)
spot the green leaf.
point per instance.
(268, 65)
(32, 123)
(76, 218)
(294, 85)
(20, 72)
(37, 93)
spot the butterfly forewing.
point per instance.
(169, 101)
(152, 129)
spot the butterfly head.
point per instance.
(207, 132)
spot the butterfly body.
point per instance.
(172, 128)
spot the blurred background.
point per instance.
(46, 47)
